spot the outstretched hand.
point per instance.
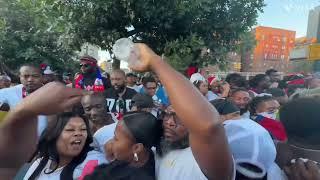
(225, 89)
(52, 98)
(145, 58)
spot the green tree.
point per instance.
(177, 28)
(30, 33)
(246, 45)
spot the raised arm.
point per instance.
(18, 131)
(206, 135)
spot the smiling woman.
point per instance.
(63, 149)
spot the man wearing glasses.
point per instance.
(90, 77)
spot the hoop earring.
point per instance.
(135, 157)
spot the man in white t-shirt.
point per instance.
(195, 144)
(175, 158)
(31, 80)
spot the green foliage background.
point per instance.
(53, 30)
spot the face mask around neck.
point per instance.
(270, 115)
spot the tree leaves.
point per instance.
(180, 29)
(29, 33)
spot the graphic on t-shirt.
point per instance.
(119, 105)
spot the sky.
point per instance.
(287, 14)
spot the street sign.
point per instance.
(314, 52)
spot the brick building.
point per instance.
(272, 49)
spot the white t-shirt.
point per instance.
(92, 155)
(103, 135)
(211, 96)
(246, 115)
(13, 96)
(274, 172)
(179, 165)
(135, 87)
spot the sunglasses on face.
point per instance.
(85, 65)
(151, 88)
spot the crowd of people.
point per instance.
(161, 125)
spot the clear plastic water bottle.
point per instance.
(125, 50)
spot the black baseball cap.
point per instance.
(142, 101)
(131, 75)
(224, 106)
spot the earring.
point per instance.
(135, 157)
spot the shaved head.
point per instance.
(30, 66)
(119, 72)
(118, 78)
(30, 77)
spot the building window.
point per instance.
(284, 39)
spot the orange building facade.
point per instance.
(272, 49)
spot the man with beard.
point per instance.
(90, 77)
(241, 98)
(31, 80)
(275, 77)
(196, 146)
(119, 96)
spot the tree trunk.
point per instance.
(115, 64)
